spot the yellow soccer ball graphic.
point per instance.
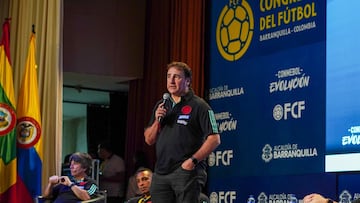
(234, 31)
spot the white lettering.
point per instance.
(294, 109)
(223, 156)
(355, 129)
(297, 153)
(226, 93)
(227, 125)
(351, 140)
(222, 115)
(289, 85)
(227, 197)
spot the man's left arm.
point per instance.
(80, 192)
(211, 143)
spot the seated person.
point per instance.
(317, 198)
(74, 188)
(143, 179)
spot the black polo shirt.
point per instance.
(183, 131)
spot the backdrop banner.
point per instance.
(271, 189)
(267, 67)
(349, 187)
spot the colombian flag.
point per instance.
(28, 130)
(7, 122)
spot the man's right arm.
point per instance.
(152, 132)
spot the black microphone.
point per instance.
(166, 96)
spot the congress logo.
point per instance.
(234, 30)
(28, 132)
(7, 119)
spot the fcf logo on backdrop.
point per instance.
(223, 197)
(288, 110)
(221, 158)
(235, 29)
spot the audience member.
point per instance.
(317, 198)
(112, 173)
(143, 179)
(140, 161)
(78, 187)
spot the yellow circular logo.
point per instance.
(234, 30)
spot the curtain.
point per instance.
(45, 15)
(108, 123)
(4, 11)
(118, 122)
(188, 38)
(98, 126)
(175, 31)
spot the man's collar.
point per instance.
(188, 95)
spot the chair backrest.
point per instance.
(100, 197)
(95, 170)
(65, 170)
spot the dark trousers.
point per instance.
(180, 186)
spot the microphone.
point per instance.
(166, 96)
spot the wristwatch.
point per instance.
(330, 201)
(194, 160)
(71, 185)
